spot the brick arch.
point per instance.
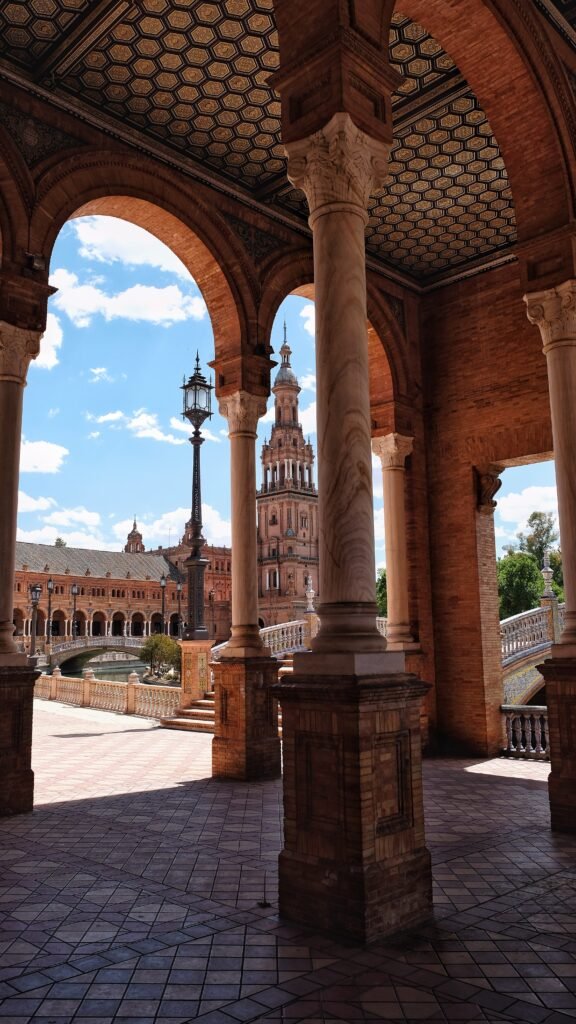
(293, 274)
(509, 63)
(183, 218)
(16, 192)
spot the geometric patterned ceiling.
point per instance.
(193, 76)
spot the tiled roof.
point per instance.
(81, 562)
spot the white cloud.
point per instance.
(73, 538)
(53, 412)
(93, 435)
(379, 525)
(100, 373)
(41, 456)
(145, 424)
(28, 504)
(308, 419)
(308, 382)
(170, 527)
(162, 306)
(50, 342)
(70, 516)
(107, 417)
(111, 240)
(308, 312)
(269, 416)
(517, 506)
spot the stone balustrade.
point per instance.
(131, 698)
(526, 729)
(527, 630)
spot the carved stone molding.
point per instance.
(392, 450)
(35, 140)
(488, 483)
(242, 410)
(259, 243)
(338, 164)
(17, 347)
(554, 312)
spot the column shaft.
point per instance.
(393, 449)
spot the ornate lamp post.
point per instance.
(35, 592)
(212, 598)
(74, 590)
(179, 593)
(197, 408)
(163, 586)
(50, 589)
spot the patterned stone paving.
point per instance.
(138, 891)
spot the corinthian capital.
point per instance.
(242, 410)
(338, 164)
(18, 346)
(554, 312)
(392, 450)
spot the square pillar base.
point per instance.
(194, 673)
(246, 744)
(16, 702)
(354, 862)
(560, 677)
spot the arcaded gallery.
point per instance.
(408, 166)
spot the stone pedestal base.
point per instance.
(354, 862)
(16, 775)
(560, 677)
(246, 743)
(194, 674)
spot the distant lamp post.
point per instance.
(74, 590)
(197, 408)
(179, 593)
(50, 589)
(163, 586)
(212, 598)
(35, 592)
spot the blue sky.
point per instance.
(103, 438)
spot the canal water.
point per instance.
(113, 671)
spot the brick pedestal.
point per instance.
(246, 743)
(16, 775)
(195, 673)
(560, 676)
(354, 862)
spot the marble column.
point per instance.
(338, 168)
(354, 863)
(392, 450)
(246, 743)
(17, 347)
(554, 312)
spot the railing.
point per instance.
(286, 637)
(524, 631)
(131, 698)
(83, 642)
(526, 732)
(381, 625)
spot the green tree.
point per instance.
(541, 536)
(381, 593)
(59, 543)
(520, 583)
(558, 577)
(160, 653)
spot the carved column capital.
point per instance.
(242, 410)
(554, 312)
(18, 346)
(392, 450)
(337, 165)
(488, 483)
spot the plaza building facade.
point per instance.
(412, 168)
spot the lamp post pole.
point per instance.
(197, 408)
(50, 589)
(163, 586)
(212, 598)
(179, 593)
(35, 592)
(75, 590)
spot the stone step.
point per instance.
(187, 724)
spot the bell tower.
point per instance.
(287, 506)
(134, 545)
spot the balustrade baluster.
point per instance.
(517, 726)
(538, 733)
(509, 738)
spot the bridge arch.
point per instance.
(83, 649)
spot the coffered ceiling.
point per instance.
(193, 77)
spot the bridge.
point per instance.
(81, 649)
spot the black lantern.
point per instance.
(35, 592)
(197, 408)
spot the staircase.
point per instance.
(199, 717)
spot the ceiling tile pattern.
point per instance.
(193, 74)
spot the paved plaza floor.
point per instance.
(138, 892)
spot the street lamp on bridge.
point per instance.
(163, 588)
(197, 407)
(74, 590)
(35, 592)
